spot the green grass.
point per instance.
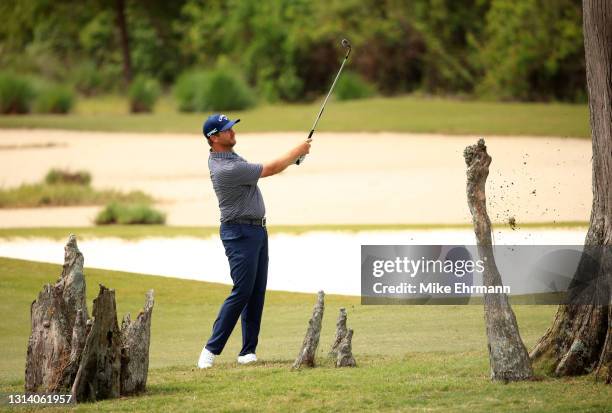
(398, 114)
(129, 214)
(410, 358)
(44, 195)
(146, 231)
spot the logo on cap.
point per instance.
(217, 123)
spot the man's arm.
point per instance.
(280, 164)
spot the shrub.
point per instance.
(143, 94)
(352, 86)
(65, 188)
(290, 86)
(59, 176)
(54, 99)
(16, 94)
(89, 79)
(217, 89)
(225, 91)
(128, 214)
(185, 90)
(40, 195)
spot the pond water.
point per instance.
(312, 261)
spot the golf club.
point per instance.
(347, 45)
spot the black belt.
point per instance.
(259, 222)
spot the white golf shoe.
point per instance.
(206, 359)
(247, 358)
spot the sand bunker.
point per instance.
(349, 178)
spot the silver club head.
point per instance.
(345, 43)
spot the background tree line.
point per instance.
(288, 50)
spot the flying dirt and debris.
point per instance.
(512, 223)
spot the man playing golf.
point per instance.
(243, 233)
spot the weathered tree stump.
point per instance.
(341, 348)
(306, 356)
(135, 352)
(100, 367)
(58, 320)
(508, 356)
(345, 351)
(91, 358)
(341, 332)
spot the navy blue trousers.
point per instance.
(246, 248)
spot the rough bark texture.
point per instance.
(100, 367)
(507, 354)
(341, 332)
(345, 351)
(91, 358)
(58, 319)
(136, 337)
(580, 338)
(306, 356)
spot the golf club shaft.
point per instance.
(314, 126)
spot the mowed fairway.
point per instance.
(412, 114)
(412, 358)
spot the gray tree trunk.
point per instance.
(580, 338)
(135, 352)
(341, 332)
(306, 356)
(508, 356)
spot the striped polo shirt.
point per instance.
(235, 183)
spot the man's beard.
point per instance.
(229, 144)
